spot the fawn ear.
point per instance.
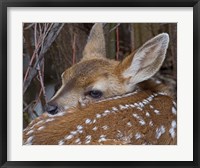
(146, 61)
(95, 47)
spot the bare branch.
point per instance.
(115, 27)
(117, 37)
(50, 36)
(74, 50)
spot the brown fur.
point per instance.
(117, 131)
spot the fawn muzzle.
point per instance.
(51, 109)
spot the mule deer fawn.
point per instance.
(103, 101)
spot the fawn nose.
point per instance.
(51, 108)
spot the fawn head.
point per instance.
(95, 77)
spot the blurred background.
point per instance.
(50, 48)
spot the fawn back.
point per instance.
(102, 101)
(141, 117)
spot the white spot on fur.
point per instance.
(68, 137)
(142, 122)
(145, 102)
(139, 108)
(129, 124)
(79, 127)
(73, 132)
(126, 139)
(132, 105)
(130, 94)
(61, 142)
(149, 98)
(174, 110)
(157, 112)
(174, 103)
(88, 121)
(26, 129)
(95, 128)
(114, 109)
(102, 138)
(147, 114)
(162, 93)
(173, 124)
(127, 105)
(107, 111)
(39, 122)
(29, 140)
(151, 123)
(88, 139)
(29, 132)
(105, 127)
(136, 116)
(138, 136)
(116, 97)
(31, 122)
(50, 119)
(119, 134)
(135, 104)
(40, 128)
(172, 129)
(94, 121)
(104, 114)
(151, 107)
(122, 107)
(77, 140)
(160, 131)
(80, 131)
(141, 104)
(98, 115)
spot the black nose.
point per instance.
(51, 109)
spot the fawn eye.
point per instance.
(95, 93)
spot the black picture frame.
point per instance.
(4, 4)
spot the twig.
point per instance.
(42, 83)
(38, 98)
(114, 27)
(132, 28)
(29, 26)
(32, 59)
(74, 50)
(50, 37)
(55, 30)
(27, 106)
(38, 65)
(117, 37)
(37, 47)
